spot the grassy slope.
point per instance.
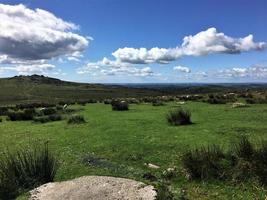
(38, 88)
(143, 131)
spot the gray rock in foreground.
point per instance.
(94, 187)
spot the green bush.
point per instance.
(179, 117)
(120, 105)
(76, 119)
(25, 169)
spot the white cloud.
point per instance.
(107, 67)
(27, 34)
(253, 72)
(144, 56)
(203, 43)
(30, 69)
(182, 69)
(71, 58)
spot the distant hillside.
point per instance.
(41, 88)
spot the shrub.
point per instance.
(119, 105)
(216, 101)
(256, 100)
(48, 118)
(76, 119)
(179, 117)
(92, 101)
(26, 169)
(3, 110)
(34, 105)
(1, 119)
(55, 117)
(27, 114)
(157, 103)
(59, 108)
(204, 163)
(107, 101)
(49, 111)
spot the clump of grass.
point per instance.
(76, 119)
(179, 117)
(244, 149)
(25, 169)
(120, 105)
(244, 161)
(204, 163)
(164, 192)
(260, 156)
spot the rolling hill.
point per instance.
(40, 88)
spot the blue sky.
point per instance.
(226, 56)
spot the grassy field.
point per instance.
(120, 143)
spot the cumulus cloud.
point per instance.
(254, 72)
(30, 69)
(205, 42)
(27, 34)
(108, 67)
(182, 69)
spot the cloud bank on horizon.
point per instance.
(32, 40)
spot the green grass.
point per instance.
(126, 140)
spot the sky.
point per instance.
(135, 41)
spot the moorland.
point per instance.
(126, 132)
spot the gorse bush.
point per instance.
(179, 117)
(120, 105)
(76, 119)
(26, 169)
